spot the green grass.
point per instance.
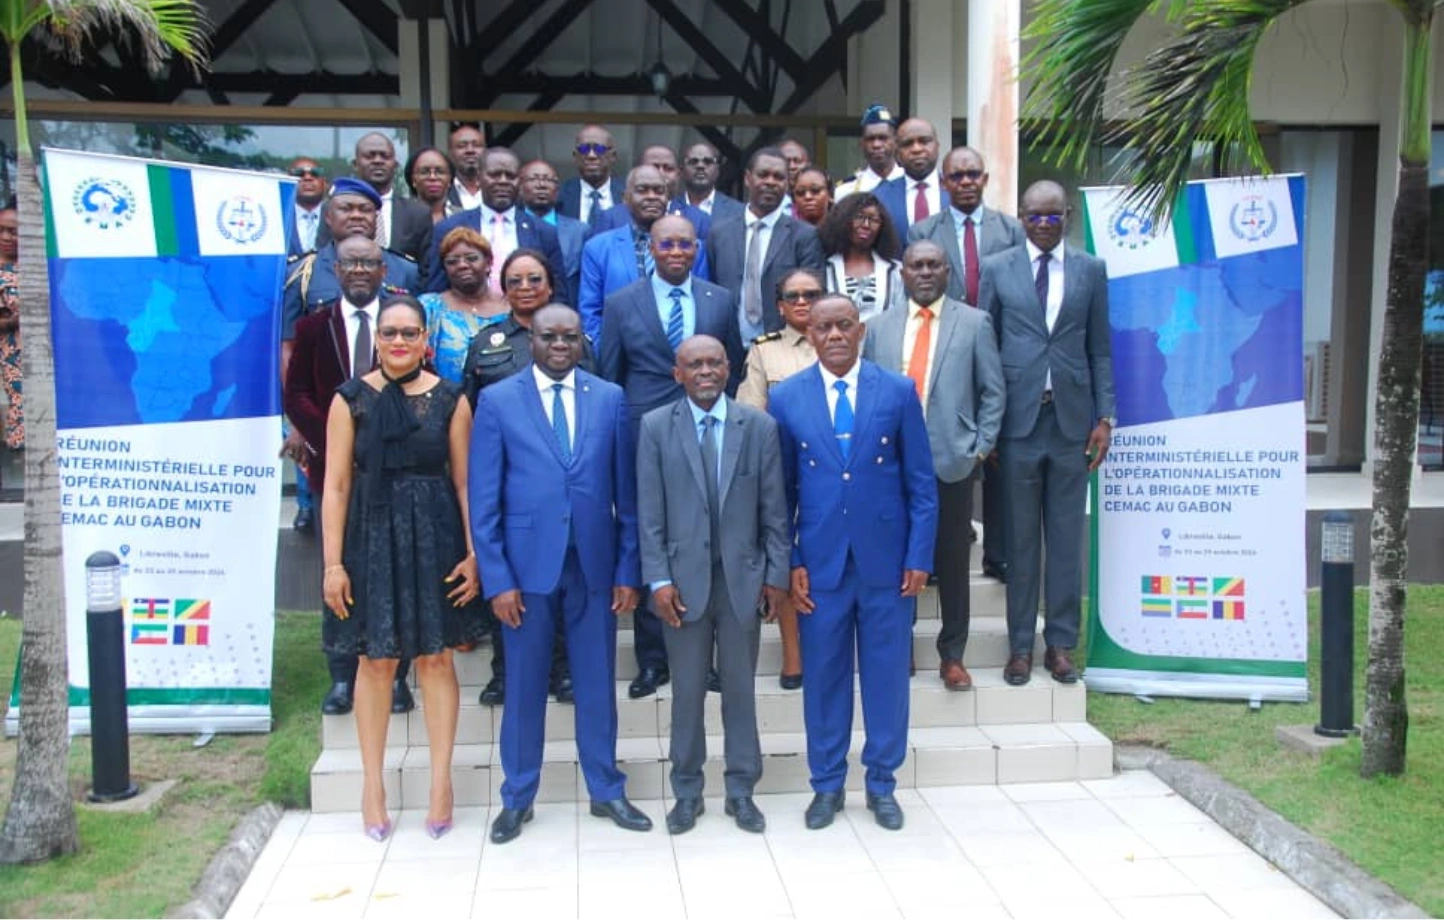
(1386, 825)
(142, 865)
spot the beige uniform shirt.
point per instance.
(773, 357)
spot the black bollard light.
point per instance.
(1336, 603)
(109, 722)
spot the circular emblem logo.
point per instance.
(497, 338)
(1253, 218)
(1130, 229)
(104, 203)
(241, 219)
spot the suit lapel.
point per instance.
(526, 381)
(781, 236)
(736, 431)
(817, 397)
(686, 433)
(947, 326)
(652, 319)
(890, 332)
(339, 341)
(949, 243)
(1073, 283)
(862, 407)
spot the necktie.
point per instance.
(559, 423)
(383, 232)
(752, 279)
(842, 419)
(970, 263)
(309, 220)
(595, 212)
(641, 243)
(711, 474)
(495, 238)
(918, 360)
(920, 203)
(1040, 281)
(675, 326)
(361, 354)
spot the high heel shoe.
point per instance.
(379, 832)
(438, 829)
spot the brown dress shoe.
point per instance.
(954, 675)
(1059, 662)
(1019, 670)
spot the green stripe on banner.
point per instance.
(51, 248)
(1104, 652)
(162, 207)
(183, 696)
(1183, 230)
(1088, 229)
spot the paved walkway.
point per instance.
(1123, 847)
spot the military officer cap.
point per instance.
(349, 186)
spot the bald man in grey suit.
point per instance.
(1049, 304)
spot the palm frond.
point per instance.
(159, 27)
(1076, 43)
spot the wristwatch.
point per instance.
(1109, 420)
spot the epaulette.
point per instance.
(402, 255)
(767, 337)
(304, 265)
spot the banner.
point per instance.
(165, 284)
(1198, 524)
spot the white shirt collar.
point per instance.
(769, 221)
(544, 383)
(829, 378)
(1034, 252)
(960, 218)
(348, 309)
(487, 214)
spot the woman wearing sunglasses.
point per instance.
(400, 575)
(862, 250)
(458, 314)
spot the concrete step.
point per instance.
(980, 755)
(990, 702)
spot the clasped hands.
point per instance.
(914, 580)
(668, 601)
(508, 607)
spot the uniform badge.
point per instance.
(497, 338)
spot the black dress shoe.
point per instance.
(824, 807)
(623, 814)
(507, 825)
(748, 815)
(886, 810)
(305, 521)
(790, 681)
(561, 688)
(996, 570)
(494, 693)
(401, 699)
(714, 681)
(338, 699)
(683, 816)
(647, 681)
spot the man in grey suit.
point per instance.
(968, 233)
(714, 530)
(951, 353)
(1049, 304)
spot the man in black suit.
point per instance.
(663, 159)
(506, 226)
(917, 194)
(969, 232)
(643, 324)
(403, 224)
(310, 195)
(466, 145)
(701, 164)
(751, 252)
(594, 189)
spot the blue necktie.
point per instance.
(559, 423)
(594, 214)
(675, 327)
(842, 419)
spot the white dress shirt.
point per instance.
(383, 220)
(569, 399)
(910, 337)
(308, 221)
(1055, 288)
(933, 193)
(865, 180)
(764, 239)
(705, 205)
(828, 381)
(603, 203)
(353, 327)
(503, 238)
(463, 195)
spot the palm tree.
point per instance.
(40, 820)
(1195, 89)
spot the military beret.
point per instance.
(878, 114)
(349, 186)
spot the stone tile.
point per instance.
(1232, 872)
(1133, 878)
(338, 888)
(1209, 839)
(1113, 842)
(953, 756)
(1292, 902)
(1071, 815)
(540, 901)
(1070, 702)
(919, 892)
(1156, 810)
(558, 782)
(336, 779)
(471, 776)
(464, 841)
(934, 706)
(978, 819)
(1000, 704)
(1044, 792)
(1129, 784)
(342, 848)
(1009, 848)
(1174, 907)
(435, 882)
(852, 894)
(948, 796)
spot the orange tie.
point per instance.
(918, 362)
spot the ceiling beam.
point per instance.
(531, 49)
(721, 65)
(236, 24)
(758, 28)
(508, 136)
(378, 19)
(596, 85)
(502, 27)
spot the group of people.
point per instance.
(569, 401)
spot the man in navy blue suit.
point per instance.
(506, 226)
(554, 520)
(917, 194)
(594, 189)
(664, 158)
(860, 480)
(642, 327)
(539, 184)
(310, 197)
(701, 164)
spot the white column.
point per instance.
(935, 57)
(993, 52)
(408, 50)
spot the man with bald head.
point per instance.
(709, 465)
(916, 195)
(615, 258)
(594, 189)
(1049, 304)
(403, 225)
(701, 165)
(643, 325)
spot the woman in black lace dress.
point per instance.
(400, 578)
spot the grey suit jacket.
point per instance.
(998, 232)
(672, 507)
(965, 392)
(793, 244)
(1078, 351)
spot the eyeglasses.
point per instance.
(471, 258)
(370, 265)
(701, 161)
(867, 220)
(1052, 220)
(431, 171)
(674, 245)
(307, 172)
(409, 334)
(592, 150)
(958, 175)
(810, 295)
(571, 338)
(516, 281)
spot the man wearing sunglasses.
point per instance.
(643, 325)
(594, 189)
(310, 193)
(701, 164)
(664, 159)
(969, 232)
(1049, 305)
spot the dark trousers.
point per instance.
(995, 517)
(647, 639)
(950, 562)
